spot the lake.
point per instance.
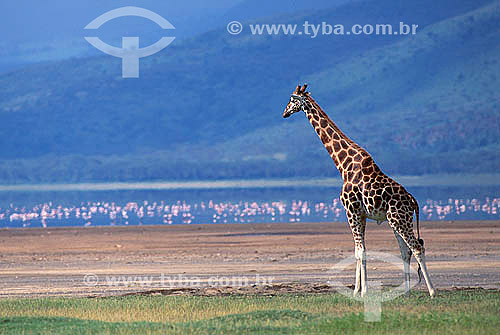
(226, 202)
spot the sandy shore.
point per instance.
(178, 259)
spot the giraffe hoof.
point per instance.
(432, 293)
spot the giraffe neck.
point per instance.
(344, 151)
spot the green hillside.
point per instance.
(210, 107)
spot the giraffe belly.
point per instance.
(377, 215)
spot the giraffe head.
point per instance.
(297, 101)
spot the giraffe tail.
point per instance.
(421, 241)
(417, 214)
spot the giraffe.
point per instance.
(367, 193)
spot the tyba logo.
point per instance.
(130, 53)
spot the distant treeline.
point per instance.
(138, 168)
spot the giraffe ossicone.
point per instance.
(367, 192)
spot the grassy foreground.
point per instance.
(463, 312)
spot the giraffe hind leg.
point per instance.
(406, 256)
(403, 225)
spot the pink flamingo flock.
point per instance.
(183, 212)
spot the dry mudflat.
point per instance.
(237, 258)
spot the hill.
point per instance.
(210, 107)
(255, 9)
(37, 31)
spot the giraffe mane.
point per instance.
(320, 110)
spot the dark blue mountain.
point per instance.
(255, 9)
(36, 31)
(210, 107)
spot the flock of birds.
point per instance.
(184, 212)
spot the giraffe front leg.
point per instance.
(406, 256)
(361, 264)
(358, 224)
(360, 284)
(357, 285)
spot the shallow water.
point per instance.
(271, 203)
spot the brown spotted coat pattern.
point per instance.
(367, 192)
